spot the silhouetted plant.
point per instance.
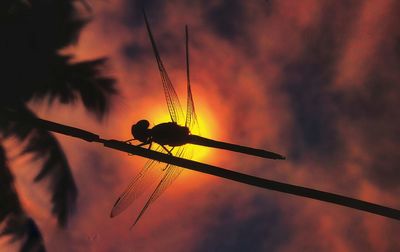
(32, 34)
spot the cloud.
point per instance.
(314, 80)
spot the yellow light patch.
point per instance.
(160, 114)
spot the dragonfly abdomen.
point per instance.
(194, 139)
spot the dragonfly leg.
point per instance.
(168, 151)
(139, 145)
(130, 141)
(143, 144)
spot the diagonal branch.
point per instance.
(218, 171)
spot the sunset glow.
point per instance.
(207, 126)
(317, 81)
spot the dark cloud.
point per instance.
(307, 86)
(227, 19)
(155, 10)
(328, 121)
(166, 44)
(157, 16)
(397, 48)
(309, 81)
(373, 110)
(134, 51)
(265, 230)
(356, 233)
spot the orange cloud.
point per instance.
(240, 75)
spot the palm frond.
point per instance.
(17, 224)
(24, 229)
(44, 146)
(56, 24)
(9, 202)
(84, 80)
(10, 127)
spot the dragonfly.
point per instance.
(170, 137)
(170, 172)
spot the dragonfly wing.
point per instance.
(171, 174)
(191, 117)
(144, 179)
(174, 106)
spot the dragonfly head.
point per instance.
(140, 130)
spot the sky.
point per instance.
(312, 80)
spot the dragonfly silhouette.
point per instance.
(171, 134)
(14, 115)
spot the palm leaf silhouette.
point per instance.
(44, 146)
(17, 224)
(33, 33)
(67, 82)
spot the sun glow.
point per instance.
(207, 128)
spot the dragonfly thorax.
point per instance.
(140, 130)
